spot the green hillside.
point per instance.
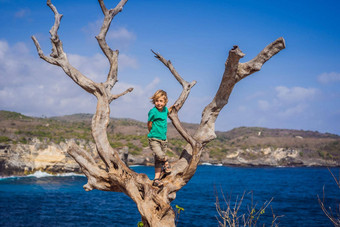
(17, 128)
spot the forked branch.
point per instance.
(182, 174)
(58, 56)
(233, 73)
(254, 65)
(111, 55)
(98, 178)
(173, 115)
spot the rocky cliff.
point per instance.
(23, 159)
(29, 144)
(278, 157)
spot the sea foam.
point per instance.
(40, 174)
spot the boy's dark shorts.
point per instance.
(158, 148)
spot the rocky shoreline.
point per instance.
(23, 159)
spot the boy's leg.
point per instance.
(158, 172)
(158, 168)
(166, 165)
(159, 155)
(157, 148)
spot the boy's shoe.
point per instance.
(157, 183)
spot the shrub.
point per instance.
(231, 215)
(334, 218)
(4, 139)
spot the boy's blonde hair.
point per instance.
(159, 94)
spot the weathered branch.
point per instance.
(183, 171)
(57, 48)
(113, 97)
(185, 168)
(100, 90)
(254, 65)
(180, 101)
(97, 178)
(335, 219)
(41, 53)
(206, 131)
(193, 163)
(152, 202)
(100, 121)
(186, 85)
(329, 213)
(111, 55)
(234, 72)
(102, 6)
(58, 56)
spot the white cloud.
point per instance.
(121, 38)
(3, 49)
(96, 67)
(33, 87)
(121, 34)
(135, 104)
(263, 105)
(280, 107)
(153, 84)
(291, 111)
(295, 94)
(326, 78)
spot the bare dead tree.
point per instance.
(229, 213)
(333, 217)
(152, 202)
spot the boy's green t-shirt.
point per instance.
(159, 121)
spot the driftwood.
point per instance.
(152, 202)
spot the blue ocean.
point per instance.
(44, 200)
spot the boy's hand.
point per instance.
(149, 125)
(170, 109)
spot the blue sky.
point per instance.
(299, 88)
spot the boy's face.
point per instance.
(160, 103)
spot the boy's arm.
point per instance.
(149, 125)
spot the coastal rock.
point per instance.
(22, 159)
(273, 157)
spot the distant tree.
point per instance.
(152, 202)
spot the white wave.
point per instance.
(70, 175)
(206, 164)
(39, 174)
(134, 165)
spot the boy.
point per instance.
(157, 126)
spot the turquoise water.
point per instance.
(61, 200)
